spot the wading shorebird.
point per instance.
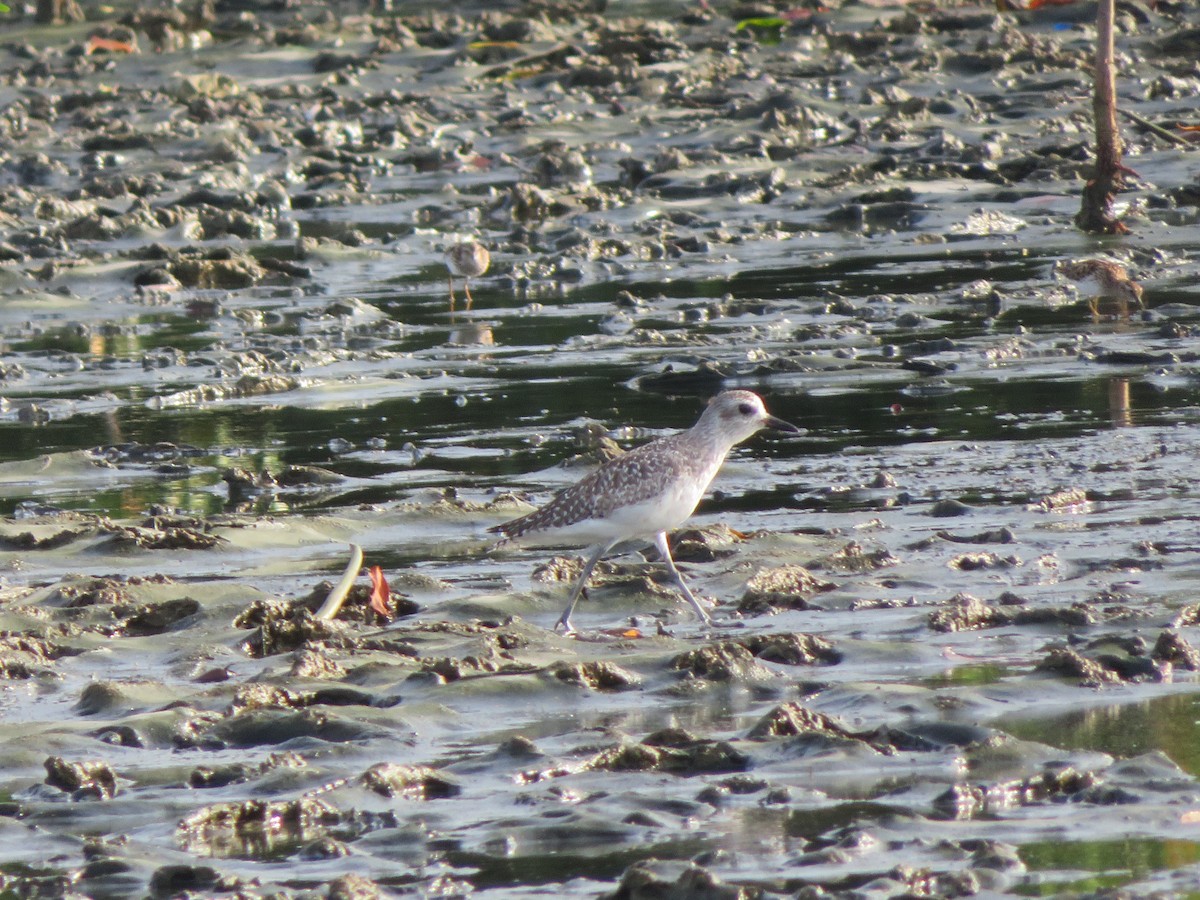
(646, 492)
(467, 260)
(1102, 279)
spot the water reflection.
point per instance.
(1118, 403)
(1167, 724)
(486, 434)
(1115, 862)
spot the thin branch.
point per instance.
(1163, 133)
(1096, 210)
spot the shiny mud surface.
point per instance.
(956, 618)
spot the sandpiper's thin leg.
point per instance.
(467, 290)
(564, 621)
(664, 550)
(451, 281)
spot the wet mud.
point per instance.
(956, 631)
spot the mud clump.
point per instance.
(967, 613)
(1172, 648)
(645, 578)
(412, 782)
(265, 696)
(83, 781)
(447, 669)
(964, 801)
(791, 719)
(1089, 672)
(703, 545)
(786, 587)
(672, 750)
(1115, 659)
(1064, 499)
(24, 656)
(727, 661)
(855, 559)
(281, 627)
(155, 618)
(212, 273)
(653, 879)
(170, 538)
(93, 592)
(595, 676)
(793, 649)
(739, 660)
(235, 773)
(256, 821)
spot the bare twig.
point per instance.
(1096, 210)
(1165, 134)
(337, 596)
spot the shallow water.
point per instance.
(970, 429)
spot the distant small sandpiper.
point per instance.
(467, 260)
(646, 492)
(1102, 279)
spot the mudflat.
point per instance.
(955, 640)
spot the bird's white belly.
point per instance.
(643, 519)
(652, 516)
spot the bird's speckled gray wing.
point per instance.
(639, 475)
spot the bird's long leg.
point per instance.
(451, 282)
(564, 621)
(467, 290)
(664, 550)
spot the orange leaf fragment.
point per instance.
(627, 633)
(97, 43)
(380, 592)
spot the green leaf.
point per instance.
(765, 22)
(4, 8)
(766, 29)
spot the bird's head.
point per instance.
(736, 415)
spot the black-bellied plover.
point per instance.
(466, 259)
(1102, 279)
(645, 492)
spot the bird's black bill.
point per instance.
(779, 425)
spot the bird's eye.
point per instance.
(745, 409)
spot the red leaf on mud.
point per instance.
(380, 593)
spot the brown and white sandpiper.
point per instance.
(646, 492)
(467, 260)
(1102, 279)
